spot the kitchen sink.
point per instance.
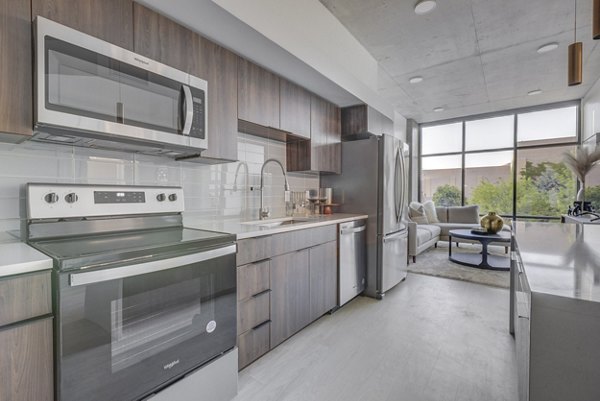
(276, 222)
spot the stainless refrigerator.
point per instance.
(374, 181)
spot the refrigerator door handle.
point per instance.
(394, 237)
(404, 185)
(397, 172)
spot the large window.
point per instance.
(488, 181)
(441, 179)
(490, 133)
(445, 138)
(545, 186)
(511, 163)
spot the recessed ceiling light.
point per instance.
(534, 92)
(415, 80)
(548, 47)
(425, 6)
(438, 109)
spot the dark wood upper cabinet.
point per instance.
(323, 153)
(16, 119)
(164, 40)
(294, 109)
(362, 119)
(161, 39)
(220, 69)
(109, 20)
(258, 95)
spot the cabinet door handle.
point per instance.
(261, 293)
(258, 326)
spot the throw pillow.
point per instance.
(417, 213)
(430, 212)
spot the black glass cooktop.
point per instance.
(87, 251)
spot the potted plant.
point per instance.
(581, 162)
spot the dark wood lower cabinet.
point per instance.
(323, 279)
(290, 302)
(26, 362)
(296, 285)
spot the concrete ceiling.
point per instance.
(476, 56)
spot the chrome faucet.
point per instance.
(237, 172)
(263, 212)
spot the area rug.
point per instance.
(434, 262)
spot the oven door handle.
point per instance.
(77, 279)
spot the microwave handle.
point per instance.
(189, 110)
(99, 276)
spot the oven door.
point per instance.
(124, 332)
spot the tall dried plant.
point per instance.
(582, 161)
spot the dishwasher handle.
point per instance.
(344, 231)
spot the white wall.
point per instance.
(591, 112)
(208, 189)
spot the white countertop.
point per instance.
(252, 229)
(18, 258)
(561, 259)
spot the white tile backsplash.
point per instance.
(222, 191)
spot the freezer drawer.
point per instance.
(393, 260)
(352, 260)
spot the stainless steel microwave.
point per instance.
(95, 94)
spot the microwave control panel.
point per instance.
(198, 122)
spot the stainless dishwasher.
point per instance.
(352, 260)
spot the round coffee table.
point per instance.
(481, 260)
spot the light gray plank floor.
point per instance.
(430, 339)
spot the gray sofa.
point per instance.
(423, 236)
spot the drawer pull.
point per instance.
(261, 293)
(258, 326)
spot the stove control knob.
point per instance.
(51, 198)
(173, 197)
(71, 198)
(161, 197)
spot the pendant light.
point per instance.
(575, 58)
(596, 20)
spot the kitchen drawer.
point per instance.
(253, 249)
(254, 311)
(252, 279)
(253, 344)
(24, 297)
